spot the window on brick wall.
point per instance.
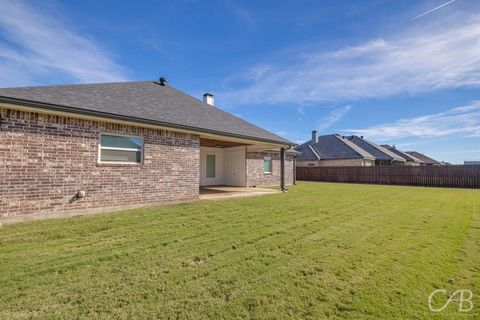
(267, 165)
(120, 149)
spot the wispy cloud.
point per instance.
(415, 61)
(333, 117)
(432, 10)
(241, 13)
(37, 45)
(300, 110)
(463, 121)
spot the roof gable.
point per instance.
(377, 151)
(142, 100)
(422, 157)
(402, 154)
(330, 147)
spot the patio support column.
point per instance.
(295, 170)
(282, 169)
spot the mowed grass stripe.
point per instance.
(342, 253)
(148, 237)
(322, 250)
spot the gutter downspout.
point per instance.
(295, 170)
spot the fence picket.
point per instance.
(457, 176)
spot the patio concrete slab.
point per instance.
(227, 192)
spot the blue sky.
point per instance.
(377, 68)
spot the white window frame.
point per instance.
(100, 148)
(271, 165)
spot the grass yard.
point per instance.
(319, 251)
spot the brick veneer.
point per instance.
(45, 160)
(255, 175)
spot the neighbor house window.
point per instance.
(210, 166)
(267, 164)
(120, 149)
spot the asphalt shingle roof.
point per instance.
(375, 150)
(330, 147)
(142, 100)
(402, 154)
(424, 158)
(306, 153)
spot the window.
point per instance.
(210, 166)
(120, 149)
(267, 164)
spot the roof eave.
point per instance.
(57, 107)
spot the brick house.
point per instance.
(427, 161)
(410, 160)
(81, 147)
(334, 150)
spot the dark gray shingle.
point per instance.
(402, 154)
(329, 147)
(375, 150)
(143, 100)
(424, 158)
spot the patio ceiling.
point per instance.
(219, 143)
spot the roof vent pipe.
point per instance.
(208, 98)
(314, 136)
(163, 82)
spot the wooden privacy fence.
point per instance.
(430, 176)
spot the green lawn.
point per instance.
(319, 251)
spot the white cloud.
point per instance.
(37, 45)
(333, 117)
(415, 61)
(241, 13)
(463, 121)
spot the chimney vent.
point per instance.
(361, 137)
(314, 136)
(163, 81)
(208, 98)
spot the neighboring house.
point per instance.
(335, 150)
(471, 162)
(383, 156)
(332, 150)
(410, 160)
(76, 147)
(427, 161)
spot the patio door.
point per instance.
(222, 166)
(234, 166)
(211, 166)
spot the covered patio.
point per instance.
(226, 192)
(240, 163)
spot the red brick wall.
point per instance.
(255, 175)
(45, 160)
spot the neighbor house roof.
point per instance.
(424, 158)
(331, 147)
(142, 101)
(404, 155)
(379, 152)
